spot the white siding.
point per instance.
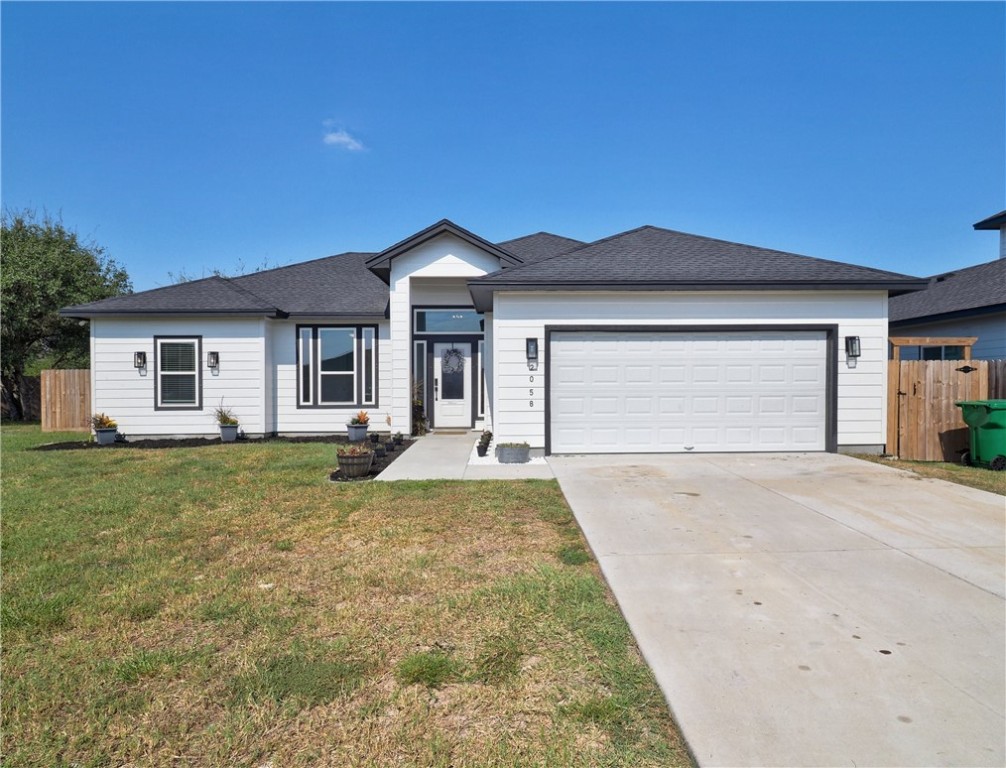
(289, 418)
(420, 277)
(990, 330)
(862, 390)
(127, 394)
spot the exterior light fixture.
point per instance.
(212, 359)
(852, 346)
(139, 359)
(531, 348)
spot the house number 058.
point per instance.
(530, 392)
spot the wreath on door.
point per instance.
(452, 361)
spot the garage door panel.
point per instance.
(687, 391)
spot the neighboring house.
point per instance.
(966, 302)
(647, 341)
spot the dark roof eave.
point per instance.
(79, 313)
(382, 315)
(992, 222)
(482, 289)
(958, 314)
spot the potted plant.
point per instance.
(513, 453)
(227, 422)
(399, 438)
(379, 450)
(355, 460)
(357, 427)
(105, 428)
(390, 445)
(484, 439)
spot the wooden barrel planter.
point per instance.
(356, 466)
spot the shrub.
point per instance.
(101, 421)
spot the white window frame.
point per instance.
(197, 372)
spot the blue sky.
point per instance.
(190, 136)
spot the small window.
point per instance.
(336, 365)
(178, 372)
(449, 321)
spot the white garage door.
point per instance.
(655, 391)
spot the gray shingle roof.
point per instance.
(215, 295)
(969, 289)
(644, 258)
(540, 245)
(651, 256)
(335, 285)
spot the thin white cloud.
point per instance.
(341, 138)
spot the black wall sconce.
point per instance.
(852, 346)
(531, 350)
(139, 359)
(212, 359)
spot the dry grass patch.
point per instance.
(974, 477)
(228, 605)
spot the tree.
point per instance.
(45, 267)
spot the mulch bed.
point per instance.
(379, 464)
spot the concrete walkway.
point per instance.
(807, 610)
(444, 456)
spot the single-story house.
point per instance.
(650, 340)
(969, 302)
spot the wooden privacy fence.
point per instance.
(66, 401)
(923, 424)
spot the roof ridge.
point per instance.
(301, 263)
(580, 247)
(772, 250)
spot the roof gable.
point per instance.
(380, 264)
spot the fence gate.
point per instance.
(923, 422)
(66, 400)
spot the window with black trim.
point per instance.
(179, 379)
(336, 365)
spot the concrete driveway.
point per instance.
(807, 609)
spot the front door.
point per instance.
(452, 389)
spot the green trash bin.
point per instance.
(986, 420)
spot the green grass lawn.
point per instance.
(228, 605)
(975, 477)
